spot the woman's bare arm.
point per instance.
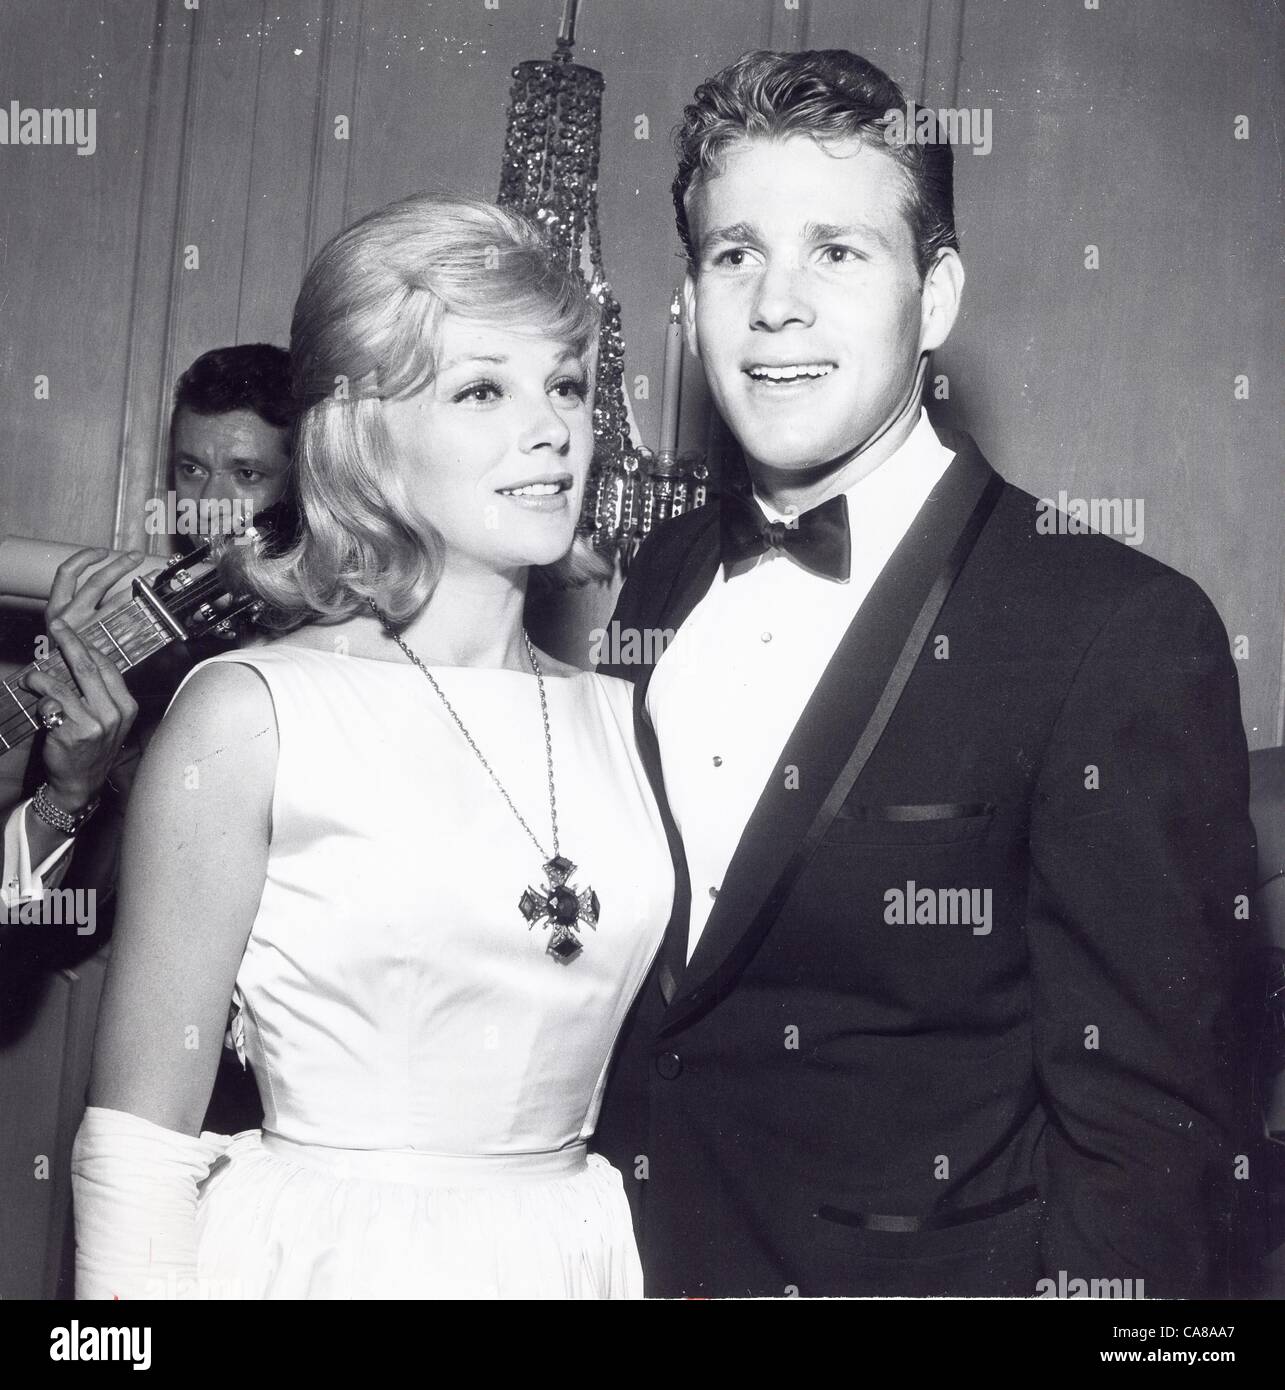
(192, 871)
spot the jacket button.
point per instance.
(669, 1064)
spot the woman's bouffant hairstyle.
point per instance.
(366, 329)
(828, 94)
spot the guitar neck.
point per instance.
(127, 637)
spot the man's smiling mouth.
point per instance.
(795, 371)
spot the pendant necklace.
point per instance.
(558, 904)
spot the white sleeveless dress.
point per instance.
(429, 1071)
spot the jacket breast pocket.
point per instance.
(993, 1255)
(924, 823)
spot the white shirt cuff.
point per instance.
(21, 882)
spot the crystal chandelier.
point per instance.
(550, 173)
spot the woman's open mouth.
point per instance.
(545, 494)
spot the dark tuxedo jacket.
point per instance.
(830, 1101)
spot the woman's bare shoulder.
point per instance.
(219, 735)
(220, 702)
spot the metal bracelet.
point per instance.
(67, 822)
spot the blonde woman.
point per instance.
(419, 856)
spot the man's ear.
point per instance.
(689, 314)
(942, 291)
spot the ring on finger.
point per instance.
(52, 715)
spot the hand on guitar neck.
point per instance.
(76, 691)
(86, 687)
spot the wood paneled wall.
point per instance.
(216, 129)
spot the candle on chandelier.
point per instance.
(672, 381)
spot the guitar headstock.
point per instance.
(193, 597)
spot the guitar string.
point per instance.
(138, 639)
(131, 626)
(55, 665)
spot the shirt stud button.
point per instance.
(765, 637)
(713, 892)
(718, 762)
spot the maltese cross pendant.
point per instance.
(561, 906)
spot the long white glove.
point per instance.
(134, 1190)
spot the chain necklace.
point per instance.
(558, 904)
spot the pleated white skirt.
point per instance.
(283, 1220)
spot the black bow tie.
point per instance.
(817, 539)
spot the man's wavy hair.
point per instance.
(366, 329)
(249, 376)
(828, 94)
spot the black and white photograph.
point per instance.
(642, 657)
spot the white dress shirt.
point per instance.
(730, 687)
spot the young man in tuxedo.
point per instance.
(945, 1004)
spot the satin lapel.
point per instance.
(695, 571)
(827, 731)
(689, 580)
(669, 608)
